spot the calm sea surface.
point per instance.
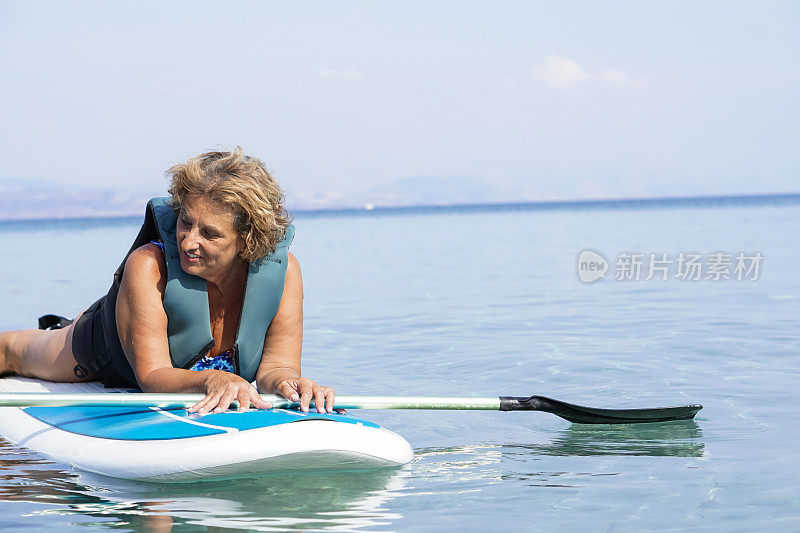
(487, 302)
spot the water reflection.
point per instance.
(319, 501)
(679, 439)
(476, 465)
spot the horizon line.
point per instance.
(599, 203)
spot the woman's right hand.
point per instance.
(222, 388)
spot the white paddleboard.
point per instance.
(171, 445)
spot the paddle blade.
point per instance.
(592, 415)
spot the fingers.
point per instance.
(222, 388)
(301, 390)
(323, 396)
(220, 401)
(226, 399)
(288, 391)
(319, 398)
(257, 400)
(207, 403)
(306, 393)
(243, 398)
(330, 395)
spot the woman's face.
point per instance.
(207, 241)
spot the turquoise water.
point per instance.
(485, 301)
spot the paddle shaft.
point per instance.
(143, 399)
(573, 413)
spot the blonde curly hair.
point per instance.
(241, 183)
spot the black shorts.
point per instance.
(92, 347)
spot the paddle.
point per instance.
(573, 413)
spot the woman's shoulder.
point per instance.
(146, 262)
(292, 267)
(293, 263)
(293, 281)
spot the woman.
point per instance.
(207, 300)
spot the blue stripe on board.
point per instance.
(272, 417)
(135, 423)
(132, 423)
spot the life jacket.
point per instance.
(186, 300)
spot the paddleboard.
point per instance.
(171, 445)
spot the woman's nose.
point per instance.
(191, 239)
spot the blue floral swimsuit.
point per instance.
(223, 361)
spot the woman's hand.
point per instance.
(303, 390)
(222, 388)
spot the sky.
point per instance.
(350, 103)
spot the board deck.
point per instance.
(169, 444)
(137, 423)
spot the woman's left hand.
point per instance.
(304, 390)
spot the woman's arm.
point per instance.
(279, 370)
(142, 328)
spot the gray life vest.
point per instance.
(186, 300)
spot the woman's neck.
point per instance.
(229, 284)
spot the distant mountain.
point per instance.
(412, 190)
(29, 199)
(433, 190)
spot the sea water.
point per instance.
(488, 301)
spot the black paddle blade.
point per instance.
(53, 322)
(591, 415)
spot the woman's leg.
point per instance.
(41, 354)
